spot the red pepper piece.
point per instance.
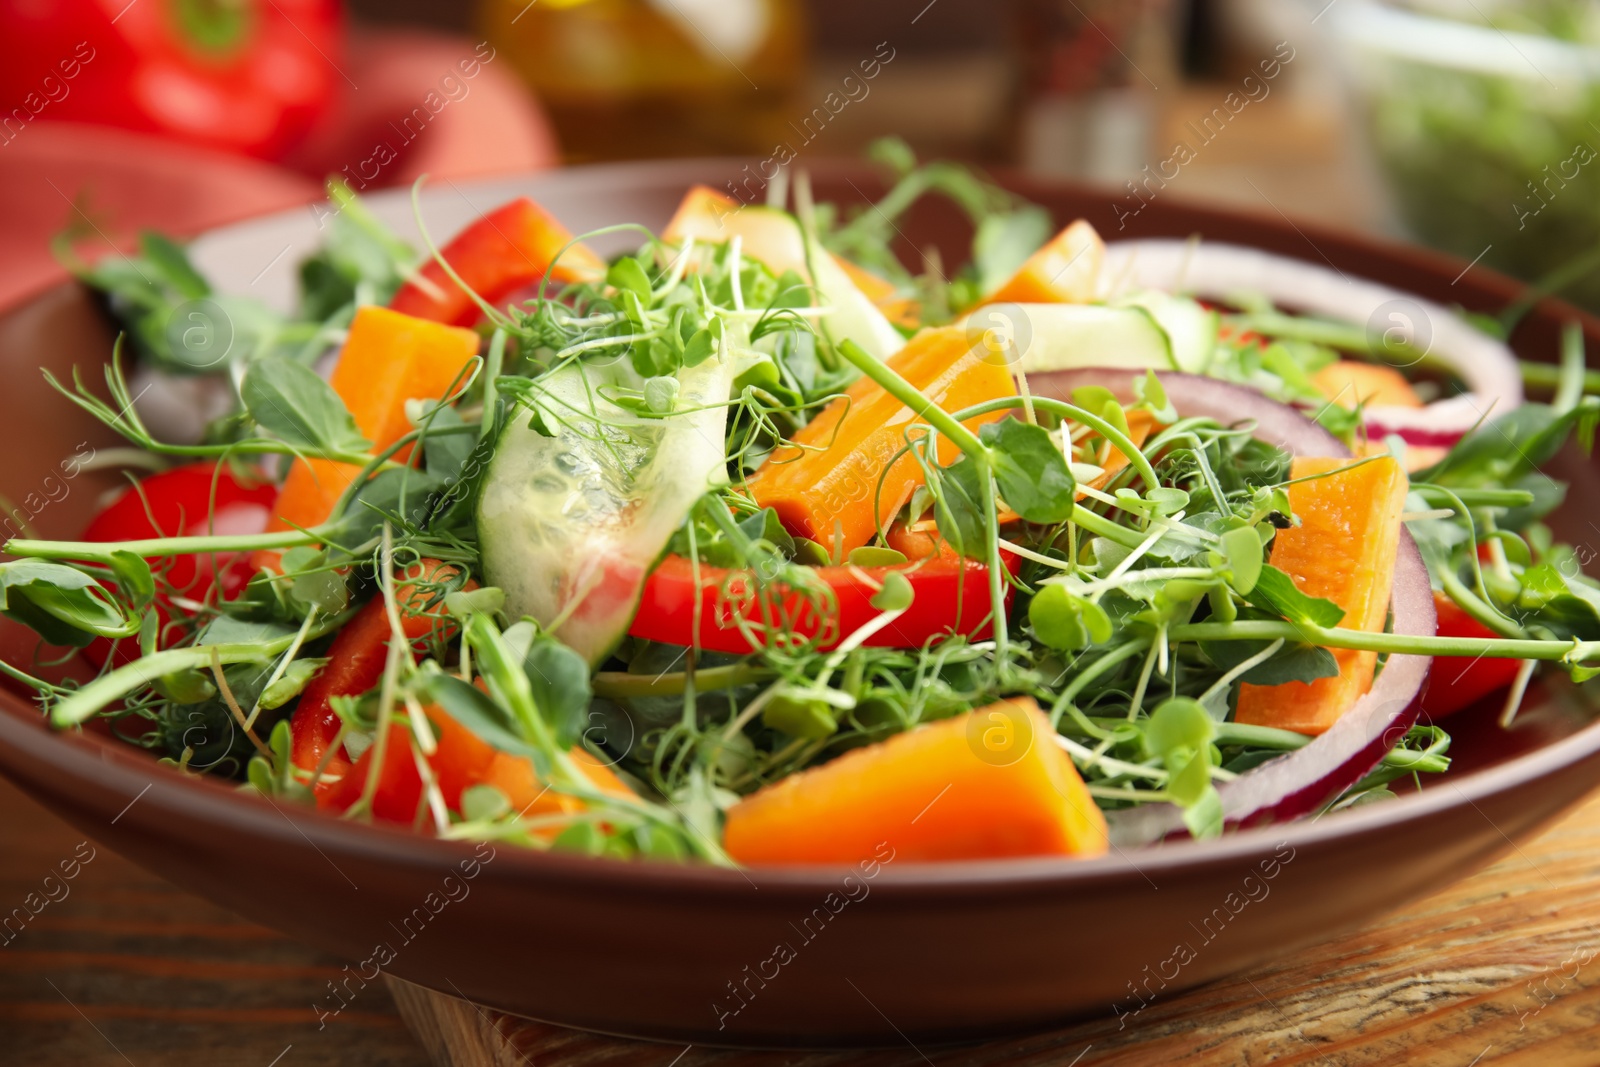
(508, 249)
(176, 503)
(355, 666)
(1457, 682)
(951, 596)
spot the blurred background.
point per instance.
(1463, 124)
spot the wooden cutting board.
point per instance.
(1502, 969)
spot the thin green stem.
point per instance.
(1548, 376)
(620, 685)
(1111, 531)
(160, 546)
(1404, 644)
(84, 702)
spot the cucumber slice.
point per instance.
(1066, 336)
(1191, 328)
(569, 525)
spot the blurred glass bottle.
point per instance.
(630, 79)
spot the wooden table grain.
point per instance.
(119, 968)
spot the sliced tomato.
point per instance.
(178, 503)
(508, 249)
(951, 597)
(1457, 682)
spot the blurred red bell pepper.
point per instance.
(245, 76)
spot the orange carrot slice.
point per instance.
(388, 358)
(1349, 383)
(825, 488)
(1064, 271)
(987, 784)
(1344, 550)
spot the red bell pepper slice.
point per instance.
(508, 249)
(180, 502)
(355, 666)
(951, 596)
(1457, 682)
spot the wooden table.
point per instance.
(122, 969)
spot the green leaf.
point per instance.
(1204, 816)
(1067, 622)
(134, 578)
(61, 604)
(484, 803)
(475, 710)
(172, 263)
(292, 681)
(702, 344)
(1152, 394)
(1192, 777)
(226, 630)
(627, 274)
(1031, 471)
(896, 594)
(662, 843)
(661, 394)
(1276, 591)
(1178, 724)
(958, 508)
(289, 400)
(874, 556)
(1296, 661)
(1241, 548)
(403, 496)
(798, 716)
(792, 292)
(446, 453)
(559, 678)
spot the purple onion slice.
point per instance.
(1217, 271)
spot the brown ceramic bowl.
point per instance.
(688, 954)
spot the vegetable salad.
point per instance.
(754, 546)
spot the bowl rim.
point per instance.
(42, 753)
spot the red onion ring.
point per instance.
(1217, 271)
(1298, 782)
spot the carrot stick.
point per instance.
(824, 488)
(1344, 550)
